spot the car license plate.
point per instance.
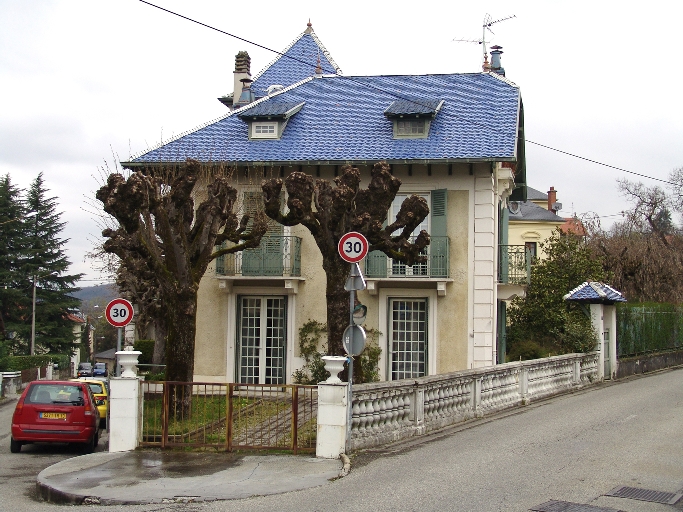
(53, 415)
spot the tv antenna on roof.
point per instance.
(485, 26)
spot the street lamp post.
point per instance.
(33, 319)
(33, 314)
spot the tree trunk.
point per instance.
(338, 313)
(159, 356)
(181, 313)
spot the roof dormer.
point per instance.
(267, 120)
(412, 116)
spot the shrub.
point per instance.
(147, 349)
(313, 371)
(525, 350)
(18, 363)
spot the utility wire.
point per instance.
(597, 162)
(391, 93)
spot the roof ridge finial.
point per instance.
(318, 67)
(309, 27)
(486, 67)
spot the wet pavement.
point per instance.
(142, 477)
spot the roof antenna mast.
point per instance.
(485, 26)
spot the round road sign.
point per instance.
(353, 340)
(353, 247)
(119, 312)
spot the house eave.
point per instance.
(367, 161)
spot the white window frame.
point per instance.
(423, 135)
(231, 367)
(384, 318)
(275, 134)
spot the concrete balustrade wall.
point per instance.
(389, 411)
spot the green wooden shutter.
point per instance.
(438, 250)
(267, 258)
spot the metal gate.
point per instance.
(229, 416)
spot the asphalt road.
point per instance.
(573, 448)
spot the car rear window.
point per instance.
(95, 388)
(63, 394)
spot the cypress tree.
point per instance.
(46, 265)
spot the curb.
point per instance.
(53, 495)
(7, 401)
(347, 465)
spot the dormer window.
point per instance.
(268, 119)
(264, 130)
(412, 117)
(411, 128)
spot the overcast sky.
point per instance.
(85, 83)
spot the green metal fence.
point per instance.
(643, 328)
(514, 264)
(378, 265)
(275, 256)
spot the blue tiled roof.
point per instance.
(273, 108)
(413, 106)
(298, 62)
(343, 120)
(594, 292)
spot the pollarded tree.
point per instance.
(167, 243)
(329, 212)
(46, 265)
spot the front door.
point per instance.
(262, 343)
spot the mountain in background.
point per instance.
(100, 294)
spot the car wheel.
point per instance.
(89, 447)
(14, 446)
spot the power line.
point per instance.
(391, 93)
(597, 162)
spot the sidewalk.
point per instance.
(142, 477)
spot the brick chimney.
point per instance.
(242, 71)
(553, 205)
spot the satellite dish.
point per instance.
(513, 206)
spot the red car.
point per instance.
(56, 411)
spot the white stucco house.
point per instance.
(455, 139)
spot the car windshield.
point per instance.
(84, 366)
(64, 394)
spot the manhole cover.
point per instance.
(633, 493)
(566, 506)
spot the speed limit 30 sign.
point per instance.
(353, 247)
(119, 312)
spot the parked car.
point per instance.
(84, 370)
(100, 370)
(55, 411)
(100, 391)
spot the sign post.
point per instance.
(353, 247)
(119, 313)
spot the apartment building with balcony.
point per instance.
(455, 139)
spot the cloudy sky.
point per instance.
(86, 83)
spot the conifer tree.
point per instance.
(45, 266)
(13, 247)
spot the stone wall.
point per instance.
(648, 363)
